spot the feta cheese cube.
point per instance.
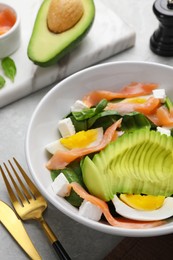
(66, 127)
(163, 130)
(159, 93)
(55, 146)
(78, 106)
(60, 185)
(90, 211)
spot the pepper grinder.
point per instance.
(161, 42)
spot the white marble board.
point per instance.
(108, 36)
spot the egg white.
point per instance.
(163, 212)
(98, 138)
(54, 146)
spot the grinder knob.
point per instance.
(161, 42)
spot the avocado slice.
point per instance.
(140, 162)
(45, 48)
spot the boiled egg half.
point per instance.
(143, 208)
(81, 139)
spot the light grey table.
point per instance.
(81, 242)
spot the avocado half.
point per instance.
(140, 162)
(46, 48)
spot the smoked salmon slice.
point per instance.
(125, 107)
(134, 89)
(164, 117)
(62, 158)
(153, 118)
(123, 222)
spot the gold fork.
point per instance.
(29, 203)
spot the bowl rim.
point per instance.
(102, 227)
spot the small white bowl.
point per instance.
(10, 41)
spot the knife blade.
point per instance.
(15, 227)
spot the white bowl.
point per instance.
(56, 104)
(10, 41)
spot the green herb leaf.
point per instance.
(100, 106)
(103, 119)
(168, 103)
(134, 121)
(84, 114)
(79, 125)
(9, 68)
(2, 82)
(90, 112)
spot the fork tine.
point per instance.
(19, 193)
(31, 185)
(22, 196)
(10, 191)
(25, 191)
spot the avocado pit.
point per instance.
(64, 14)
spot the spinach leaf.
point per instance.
(172, 132)
(100, 106)
(90, 112)
(54, 174)
(9, 68)
(168, 103)
(84, 114)
(79, 125)
(103, 119)
(2, 82)
(134, 121)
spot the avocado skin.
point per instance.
(35, 39)
(140, 162)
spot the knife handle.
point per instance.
(59, 249)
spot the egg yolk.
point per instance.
(136, 100)
(143, 202)
(80, 140)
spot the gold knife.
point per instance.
(14, 225)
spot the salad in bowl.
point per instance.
(107, 157)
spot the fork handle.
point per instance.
(59, 249)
